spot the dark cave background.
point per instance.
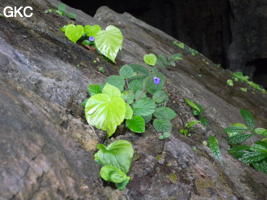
(232, 33)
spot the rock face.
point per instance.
(46, 148)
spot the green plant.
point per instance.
(188, 49)
(164, 61)
(230, 82)
(136, 95)
(179, 44)
(61, 10)
(108, 42)
(240, 77)
(106, 110)
(214, 147)
(116, 159)
(189, 127)
(238, 133)
(197, 110)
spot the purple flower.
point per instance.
(91, 38)
(156, 80)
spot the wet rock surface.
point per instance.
(46, 148)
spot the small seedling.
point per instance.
(61, 10)
(189, 127)
(197, 110)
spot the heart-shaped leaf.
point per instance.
(136, 124)
(117, 81)
(104, 111)
(118, 154)
(164, 113)
(150, 59)
(74, 33)
(113, 174)
(109, 42)
(162, 125)
(91, 30)
(126, 71)
(144, 107)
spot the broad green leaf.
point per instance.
(262, 142)
(238, 151)
(162, 125)
(136, 124)
(94, 89)
(112, 174)
(214, 147)
(126, 71)
(105, 112)
(252, 157)
(74, 33)
(91, 30)
(160, 96)
(150, 59)
(136, 84)
(191, 124)
(165, 135)
(128, 96)
(128, 112)
(147, 118)
(109, 42)
(164, 113)
(144, 107)
(248, 117)
(259, 147)
(261, 166)
(118, 154)
(139, 94)
(139, 69)
(239, 138)
(151, 86)
(116, 81)
(261, 131)
(111, 90)
(235, 129)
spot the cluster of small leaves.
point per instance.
(189, 127)
(140, 98)
(240, 77)
(188, 49)
(108, 42)
(61, 10)
(197, 111)
(116, 159)
(238, 133)
(165, 61)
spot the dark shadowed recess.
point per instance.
(226, 31)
